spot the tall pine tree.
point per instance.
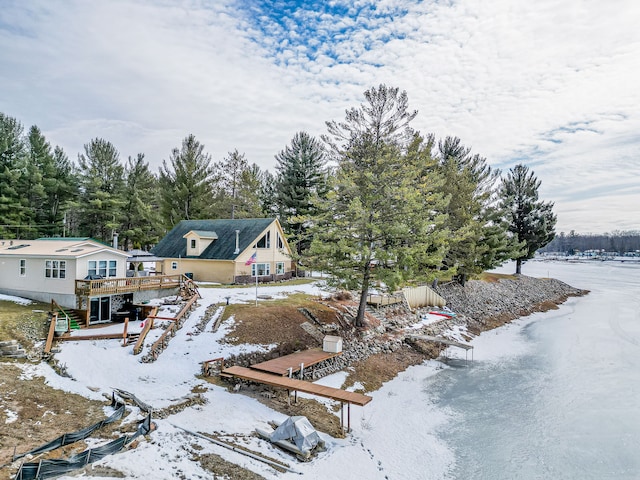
(373, 225)
(101, 178)
(14, 211)
(479, 239)
(141, 224)
(186, 190)
(301, 176)
(530, 219)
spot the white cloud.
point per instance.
(551, 84)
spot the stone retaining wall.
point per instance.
(12, 349)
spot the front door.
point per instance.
(100, 310)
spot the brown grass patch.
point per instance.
(382, 367)
(43, 414)
(277, 321)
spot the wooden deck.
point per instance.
(112, 286)
(297, 385)
(281, 365)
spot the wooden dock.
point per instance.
(295, 362)
(297, 385)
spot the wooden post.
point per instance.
(124, 333)
(52, 329)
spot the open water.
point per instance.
(564, 402)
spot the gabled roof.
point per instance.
(173, 244)
(203, 234)
(55, 247)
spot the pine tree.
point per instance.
(373, 224)
(238, 187)
(13, 162)
(301, 176)
(101, 199)
(479, 239)
(530, 219)
(141, 220)
(186, 184)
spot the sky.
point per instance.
(550, 84)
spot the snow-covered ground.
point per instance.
(376, 447)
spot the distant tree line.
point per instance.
(574, 243)
(373, 202)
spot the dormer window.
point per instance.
(198, 241)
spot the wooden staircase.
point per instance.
(71, 316)
(188, 288)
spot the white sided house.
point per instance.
(77, 274)
(226, 251)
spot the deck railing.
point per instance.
(111, 286)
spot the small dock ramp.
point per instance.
(295, 385)
(445, 341)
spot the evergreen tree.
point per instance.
(141, 220)
(530, 219)
(301, 176)
(101, 198)
(186, 190)
(238, 187)
(13, 162)
(479, 239)
(268, 195)
(61, 186)
(373, 224)
(248, 195)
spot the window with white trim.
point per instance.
(23, 268)
(104, 268)
(262, 269)
(279, 241)
(279, 268)
(193, 243)
(55, 269)
(174, 265)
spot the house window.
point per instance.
(279, 268)
(265, 241)
(174, 265)
(193, 243)
(103, 268)
(280, 243)
(23, 268)
(262, 269)
(55, 269)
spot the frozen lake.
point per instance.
(553, 395)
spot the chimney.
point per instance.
(237, 243)
(115, 240)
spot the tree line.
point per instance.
(372, 202)
(574, 243)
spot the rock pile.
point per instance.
(505, 299)
(479, 305)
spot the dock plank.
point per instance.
(281, 365)
(297, 385)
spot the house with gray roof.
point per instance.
(227, 251)
(83, 278)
